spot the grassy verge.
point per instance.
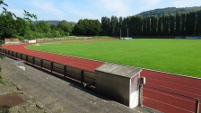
(168, 55)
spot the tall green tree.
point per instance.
(178, 24)
(160, 26)
(139, 25)
(154, 25)
(172, 24)
(124, 27)
(114, 26)
(169, 24)
(132, 26)
(145, 29)
(198, 24)
(166, 25)
(183, 26)
(148, 25)
(120, 25)
(136, 25)
(105, 23)
(190, 23)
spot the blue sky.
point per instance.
(73, 10)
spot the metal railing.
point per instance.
(82, 76)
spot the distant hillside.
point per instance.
(54, 22)
(169, 10)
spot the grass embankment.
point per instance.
(168, 55)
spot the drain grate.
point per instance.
(10, 100)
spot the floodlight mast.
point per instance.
(127, 32)
(120, 33)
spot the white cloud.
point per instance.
(150, 3)
(118, 7)
(74, 12)
(48, 7)
(17, 12)
(83, 14)
(146, 5)
(186, 3)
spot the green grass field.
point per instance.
(168, 55)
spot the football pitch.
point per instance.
(168, 55)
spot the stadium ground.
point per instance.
(168, 55)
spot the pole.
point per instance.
(140, 95)
(197, 106)
(127, 32)
(142, 82)
(120, 33)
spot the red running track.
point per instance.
(85, 64)
(171, 93)
(165, 92)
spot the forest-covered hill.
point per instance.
(54, 22)
(169, 10)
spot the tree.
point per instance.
(198, 24)
(148, 25)
(87, 28)
(55, 33)
(124, 27)
(7, 26)
(120, 22)
(28, 16)
(183, 26)
(154, 25)
(114, 26)
(43, 27)
(105, 23)
(139, 25)
(65, 26)
(135, 26)
(190, 23)
(145, 29)
(172, 25)
(22, 27)
(13, 26)
(178, 23)
(166, 25)
(160, 26)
